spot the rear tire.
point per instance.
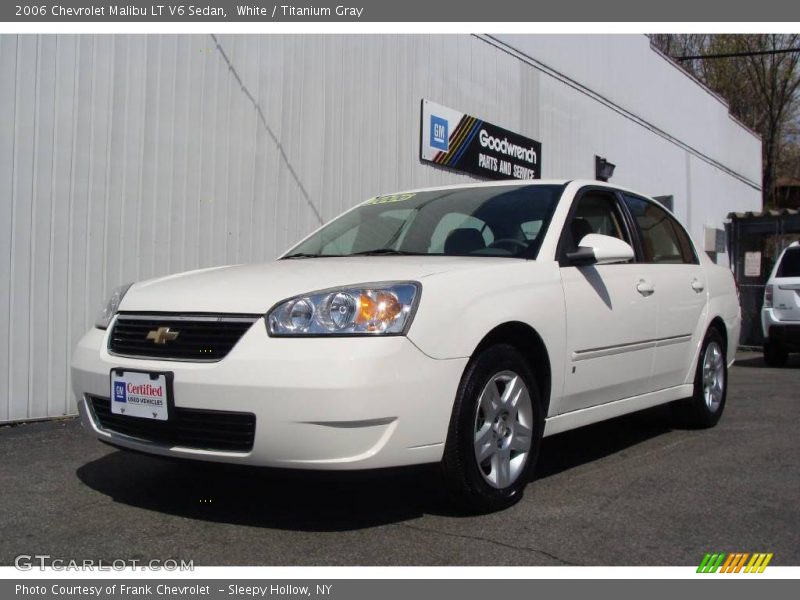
(495, 431)
(707, 403)
(775, 355)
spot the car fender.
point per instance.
(722, 301)
(458, 309)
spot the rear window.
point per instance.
(790, 263)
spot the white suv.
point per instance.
(454, 325)
(780, 316)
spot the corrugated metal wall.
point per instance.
(128, 157)
(623, 70)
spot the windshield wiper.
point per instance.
(301, 255)
(375, 252)
(386, 252)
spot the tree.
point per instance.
(761, 87)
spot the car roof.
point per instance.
(516, 182)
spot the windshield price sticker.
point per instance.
(389, 198)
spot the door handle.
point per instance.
(698, 286)
(645, 288)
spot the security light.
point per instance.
(603, 170)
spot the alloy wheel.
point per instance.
(503, 429)
(713, 376)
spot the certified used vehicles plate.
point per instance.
(141, 394)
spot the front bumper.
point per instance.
(320, 403)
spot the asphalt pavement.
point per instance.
(637, 490)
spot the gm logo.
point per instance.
(119, 391)
(439, 133)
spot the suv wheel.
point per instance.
(705, 406)
(775, 355)
(495, 431)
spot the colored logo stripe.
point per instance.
(468, 140)
(710, 563)
(456, 140)
(734, 562)
(758, 563)
(440, 156)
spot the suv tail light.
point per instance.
(768, 296)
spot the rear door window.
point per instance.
(663, 239)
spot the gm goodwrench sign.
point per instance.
(459, 141)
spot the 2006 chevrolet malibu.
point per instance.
(457, 325)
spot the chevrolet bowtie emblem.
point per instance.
(162, 335)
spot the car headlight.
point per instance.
(110, 309)
(379, 309)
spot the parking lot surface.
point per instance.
(633, 491)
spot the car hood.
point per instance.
(255, 288)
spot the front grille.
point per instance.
(183, 337)
(186, 427)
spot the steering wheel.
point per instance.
(515, 242)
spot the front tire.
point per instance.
(495, 431)
(706, 405)
(775, 355)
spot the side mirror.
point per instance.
(597, 249)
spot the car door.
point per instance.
(610, 311)
(679, 283)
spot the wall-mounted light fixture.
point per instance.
(603, 170)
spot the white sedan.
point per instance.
(457, 325)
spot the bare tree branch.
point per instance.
(762, 90)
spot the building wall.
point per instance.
(615, 97)
(128, 157)
(625, 72)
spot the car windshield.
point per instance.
(790, 263)
(507, 221)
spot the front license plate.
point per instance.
(138, 394)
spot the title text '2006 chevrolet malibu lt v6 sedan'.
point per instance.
(457, 325)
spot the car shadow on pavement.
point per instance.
(757, 362)
(565, 451)
(260, 497)
(330, 501)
